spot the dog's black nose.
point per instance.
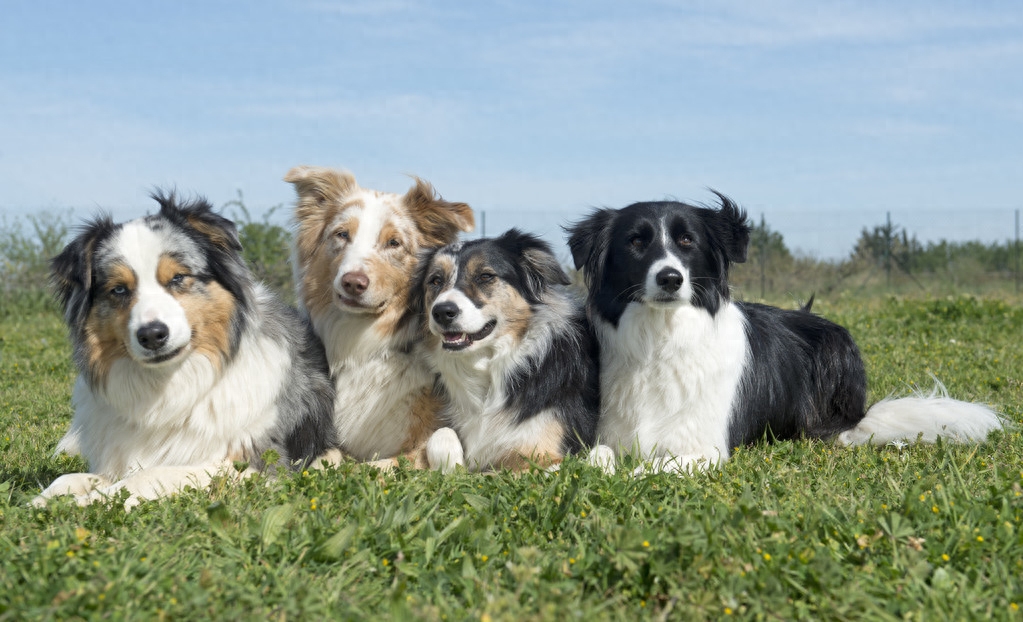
(669, 279)
(153, 335)
(444, 312)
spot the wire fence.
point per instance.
(796, 253)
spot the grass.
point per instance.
(795, 530)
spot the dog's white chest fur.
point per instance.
(188, 415)
(669, 379)
(376, 387)
(477, 407)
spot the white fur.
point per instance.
(470, 319)
(669, 377)
(376, 384)
(444, 451)
(157, 429)
(924, 417)
(141, 247)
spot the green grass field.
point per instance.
(795, 530)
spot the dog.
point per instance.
(355, 253)
(515, 354)
(186, 364)
(687, 373)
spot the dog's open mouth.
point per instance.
(461, 341)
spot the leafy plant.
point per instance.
(25, 257)
(265, 246)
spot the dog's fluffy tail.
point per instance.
(924, 417)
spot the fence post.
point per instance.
(763, 256)
(888, 250)
(483, 224)
(1017, 252)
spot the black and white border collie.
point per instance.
(687, 373)
(515, 354)
(186, 365)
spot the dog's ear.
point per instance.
(198, 214)
(540, 268)
(439, 220)
(589, 240)
(317, 186)
(72, 271)
(319, 190)
(733, 229)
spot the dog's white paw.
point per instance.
(77, 485)
(444, 451)
(602, 457)
(679, 465)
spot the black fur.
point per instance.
(566, 378)
(805, 377)
(615, 249)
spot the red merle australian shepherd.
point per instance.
(355, 253)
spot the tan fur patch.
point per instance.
(106, 328)
(106, 338)
(209, 310)
(437, 219)
(167, 268)
(423, 423)
(392, 275)
(217, 235)
(544, 453)
(321, 193)
(514, 312)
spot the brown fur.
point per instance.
(545, 453)
(209, 310)
(218, 235)
(439, 220)
(515, 311)
(422, 219)
(106, 328)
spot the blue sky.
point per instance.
(820, 115)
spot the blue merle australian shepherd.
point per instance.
(186, 365)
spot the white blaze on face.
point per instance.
(141, 248)
(363, 240)
(651, 290)
(470, 319)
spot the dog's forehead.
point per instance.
(139, 242)
(475, 256)
(445, 260)
(660, 214)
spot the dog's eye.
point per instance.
(343, 235)
(485, 277)
(119, 290)
(179, 279)
(393, 243)
(637, 242)
(685, 240)
(436, 281)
